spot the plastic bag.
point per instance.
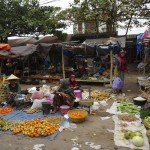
(117, 84)
(38, 103)
(37, 95)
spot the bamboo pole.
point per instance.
(111, 67)
(63, 68)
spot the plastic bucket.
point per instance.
(77, 93)
(64, 109)
(46, 107)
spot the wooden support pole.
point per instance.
(63, 68)
(145, 61)
(111, 67)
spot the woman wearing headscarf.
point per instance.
(73, 83)
(13, 88)
(63, 96)
(122, 64)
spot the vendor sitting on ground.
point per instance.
(13, 88)
(63, 96)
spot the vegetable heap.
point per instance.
(100, 95)
(145, 113)
(147, 122)
(35, 127)
(128, 118)
(8, 125)
(77, 115)
(5, 110)
(2, 122)
(55, 119)
(136, 138)
(129, 108)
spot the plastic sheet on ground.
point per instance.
(113, 109)
(105, 118)
(20, 115)
(133, 126)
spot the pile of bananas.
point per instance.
(100, 95)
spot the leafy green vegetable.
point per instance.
(145, 113)
(129, 108)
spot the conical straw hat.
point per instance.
(12, 77)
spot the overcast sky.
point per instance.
(65, 4)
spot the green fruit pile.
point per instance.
(129, 108)
(146, 122)
(2, 122)
(130, 134)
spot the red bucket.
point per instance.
(64, 109)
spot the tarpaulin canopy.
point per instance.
(91, 50)
(4, 46)
(22, 51)
(43, 49)
(19, 51)
(121, 40)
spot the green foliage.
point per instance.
(110, 12)
(27, 17)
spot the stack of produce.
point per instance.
(55, 119)
(129, 108)
(5, 110)
(31, 111)
(10, 125)
(135, 137)
(84, 77)
(145, 113)
(2, 123)
(36, 127)
(77, 115)
(100, 95)
(128, 118)
(146, 123)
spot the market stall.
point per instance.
(94, 61)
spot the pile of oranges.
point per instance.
(36, 127)
(5, 110)
(76, 114)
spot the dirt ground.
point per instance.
(92, 130)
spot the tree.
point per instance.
(28, 18)
(110, 12)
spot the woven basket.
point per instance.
(3, 93)
(75, 119)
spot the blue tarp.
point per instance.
(139, 44)
(91, 50)
(20, 115)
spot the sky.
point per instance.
(65, 4)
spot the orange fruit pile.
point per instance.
(77, 114)
(36, 127)
(5, 110)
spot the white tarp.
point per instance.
(133, 126)
(121, 40)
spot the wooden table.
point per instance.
(93, 81)
(49, 78)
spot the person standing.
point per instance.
(122, 64)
